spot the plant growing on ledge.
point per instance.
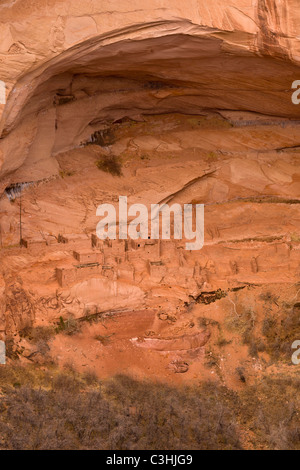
(110, 164)
(64, 173)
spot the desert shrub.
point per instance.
(104, 339)
(223, 342)
(90, 377)
(269, 323)
(240, 371)
(270, 410)
(69, 327)
(269, 297)
(255, 345)
(241, 324)
(40, 333)
(23, 376)
(41, 419)
(110, 164)
(184, 418)
(212, 360)
(203, 322)
(281, 332)
(66, 382)
(64, 173)
(122, 414)
(63, 410)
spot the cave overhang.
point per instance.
(160, 68)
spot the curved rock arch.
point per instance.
(168, 66)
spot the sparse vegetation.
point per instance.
(203, 322)
(241, 324)
(270, 410)
(280, 332)
(110, 164)
(212, 156)
(104, 339)
(37, 334)
(70, 326)
(67, 411)
(269, 297)
(64, 173)
(221, 342)
(212, 360)
(64, 410)
(241, 374)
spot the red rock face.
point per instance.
(189, 104)
(72, 69)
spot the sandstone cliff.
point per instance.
(162, 101)
(100, 57)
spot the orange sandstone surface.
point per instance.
(184, 102)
